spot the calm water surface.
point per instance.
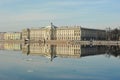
(55, 62)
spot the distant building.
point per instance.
(94, 34)
(63, 33)
(68, 33)
(25, 34)
(2, 35)
(36, 34)
(13, 36)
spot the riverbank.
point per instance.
(66, 42)
(12, 41)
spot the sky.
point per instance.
(16, 15)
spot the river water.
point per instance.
(36, 61)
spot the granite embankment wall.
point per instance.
(67, 42)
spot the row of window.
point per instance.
(65, 31)
(58, 31)
(57, 34)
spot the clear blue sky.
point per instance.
(18, 14)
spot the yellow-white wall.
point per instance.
(12, 36)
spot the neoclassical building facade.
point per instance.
(63, 33)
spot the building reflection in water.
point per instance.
(66, 50)
(113, 50)
(10, 46)
(61, 50)
(39, 49)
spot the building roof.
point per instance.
(92, 29)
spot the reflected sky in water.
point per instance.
(15, 65)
